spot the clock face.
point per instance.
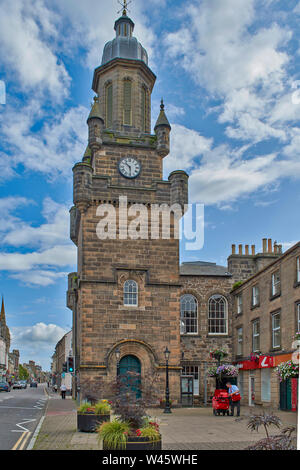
(129, 167)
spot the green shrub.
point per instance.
(85, 408)
(151, 433)
(114, 434)
(102, 408)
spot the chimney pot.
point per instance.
(253, 250)
(240, 249)
(247, 249)
(270, 245)
(233, 249)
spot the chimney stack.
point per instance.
(270, 245)
(264, 245)
(246, 249)
(233, 249)
(253, 250)
(240, 249)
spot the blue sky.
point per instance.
(229, 74)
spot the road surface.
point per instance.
(20, 413)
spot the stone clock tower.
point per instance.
(125, 294)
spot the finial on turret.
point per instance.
(124, 5)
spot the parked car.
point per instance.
(17, 385)
(33, 384)
(4, 387)
(24, 383)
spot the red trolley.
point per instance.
(220, 402)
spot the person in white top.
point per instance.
(63, 390)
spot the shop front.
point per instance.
(288, 389)
(257, 381)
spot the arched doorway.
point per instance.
(131, 364)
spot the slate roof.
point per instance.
(203, 268)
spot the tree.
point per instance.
(23, 373)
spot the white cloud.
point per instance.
(53, 249)
(54, 148)
(27, 33)
(186, 145)
(39, 335)
(39, 277)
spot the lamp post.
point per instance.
(167, 406)
(118, 354)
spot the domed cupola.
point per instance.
(124, 46)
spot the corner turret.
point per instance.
(162, 130)
(96, 124)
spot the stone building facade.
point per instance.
(129, 294)
(126, 292)
(266, 316)
(63, 350)
(4, 344)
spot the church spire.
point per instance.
(2, 315)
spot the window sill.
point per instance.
(217, 335)
(275, 296)
(253, 307)
(194, 335)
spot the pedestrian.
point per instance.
(55, 388)
(235, 398)
(63, 390)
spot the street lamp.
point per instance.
(118, 354)
(167, 406)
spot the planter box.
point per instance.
(88, 422)
(139, 443)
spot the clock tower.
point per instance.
(125, 295)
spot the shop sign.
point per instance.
(265, 362)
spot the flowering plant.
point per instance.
(225, 371)
(254, 357)
(297, 336)
(218, 353)
(287, 370)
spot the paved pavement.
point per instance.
(184, 429)
(20, 413)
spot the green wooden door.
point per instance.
(128, 365)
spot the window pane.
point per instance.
(189, 314)
(217, 317)
(130, 293)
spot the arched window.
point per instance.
(131, 293)
(188, 314)
(127, 114)
(217, 315)
(109, 105)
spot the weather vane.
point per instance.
(124, 5)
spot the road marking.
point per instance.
(34, 437)
(19, 441)
(22, 427)
(24, 441)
